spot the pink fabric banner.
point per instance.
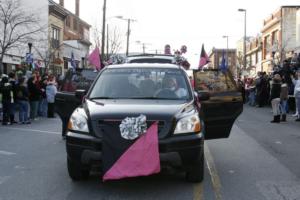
(203, 58)
(94, 58)
(141, 159)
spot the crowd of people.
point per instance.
(276, 89)
(31, 95)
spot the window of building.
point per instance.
(259, 56)
(274, 37)
(267, 46)
(55, 37)
(68, 21)
(75, 24)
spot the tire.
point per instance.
(76, 171)
(64, 129)
(195, 170)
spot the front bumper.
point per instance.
(88, 149)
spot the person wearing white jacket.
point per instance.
(51, 91)
(297, 94)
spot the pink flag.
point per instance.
(141, 159)
(94, 58)
(203, 58)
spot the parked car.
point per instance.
(161, 92)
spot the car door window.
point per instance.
(214, 81)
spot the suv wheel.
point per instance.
(195, 170)
(76, 171)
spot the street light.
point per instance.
(128, 30)
(103, 30)
(29, 46)
(226, 36)
(245, 25)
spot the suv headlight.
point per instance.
(78, 121)
(189, 124)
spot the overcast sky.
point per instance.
(181, 22)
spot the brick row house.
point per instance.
(71, 35)
(279, 37)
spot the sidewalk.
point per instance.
(264, 114)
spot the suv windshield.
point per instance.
(141, 83)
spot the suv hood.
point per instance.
(119, 109)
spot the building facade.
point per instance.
(254, 56)
(76, 37)
(216, 56)
(15, 57)
(57, 17)
(278, 37)
(298, 30)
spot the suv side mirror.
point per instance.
(79, 94)
(202, 95)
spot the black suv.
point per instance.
(161, 92)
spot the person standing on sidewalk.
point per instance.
(22, 101)
(34, 96)
(13, 83)
(43, 105)
(7, 100)
(296, 82)
(51, 91)
(275, 98)
(284, 95)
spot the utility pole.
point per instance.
(128, 33)
(107, 43)
(103, 30)
(144, 48)
(245, 36)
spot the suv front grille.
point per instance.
(102, 126)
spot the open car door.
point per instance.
(224, 105)
(65, 100)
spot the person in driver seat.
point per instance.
(170, 83)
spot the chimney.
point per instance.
(62, 3)
(77, 6)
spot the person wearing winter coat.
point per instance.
(13, 83)
(275, 98)
(296, 82)
(284, 95)
(7, 100)
(34, 96)
(22, 100)
(51, 91)
(43, 105)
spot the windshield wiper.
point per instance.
(151, 97)
(95, 98)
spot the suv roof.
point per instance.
(145, 65)
(150, 58)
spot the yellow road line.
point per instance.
(215, 179)
(198, 191)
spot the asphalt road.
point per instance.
(259, 161)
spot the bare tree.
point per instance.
(45, 51)
(17, 27)
(279, 51)
(115, 43)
